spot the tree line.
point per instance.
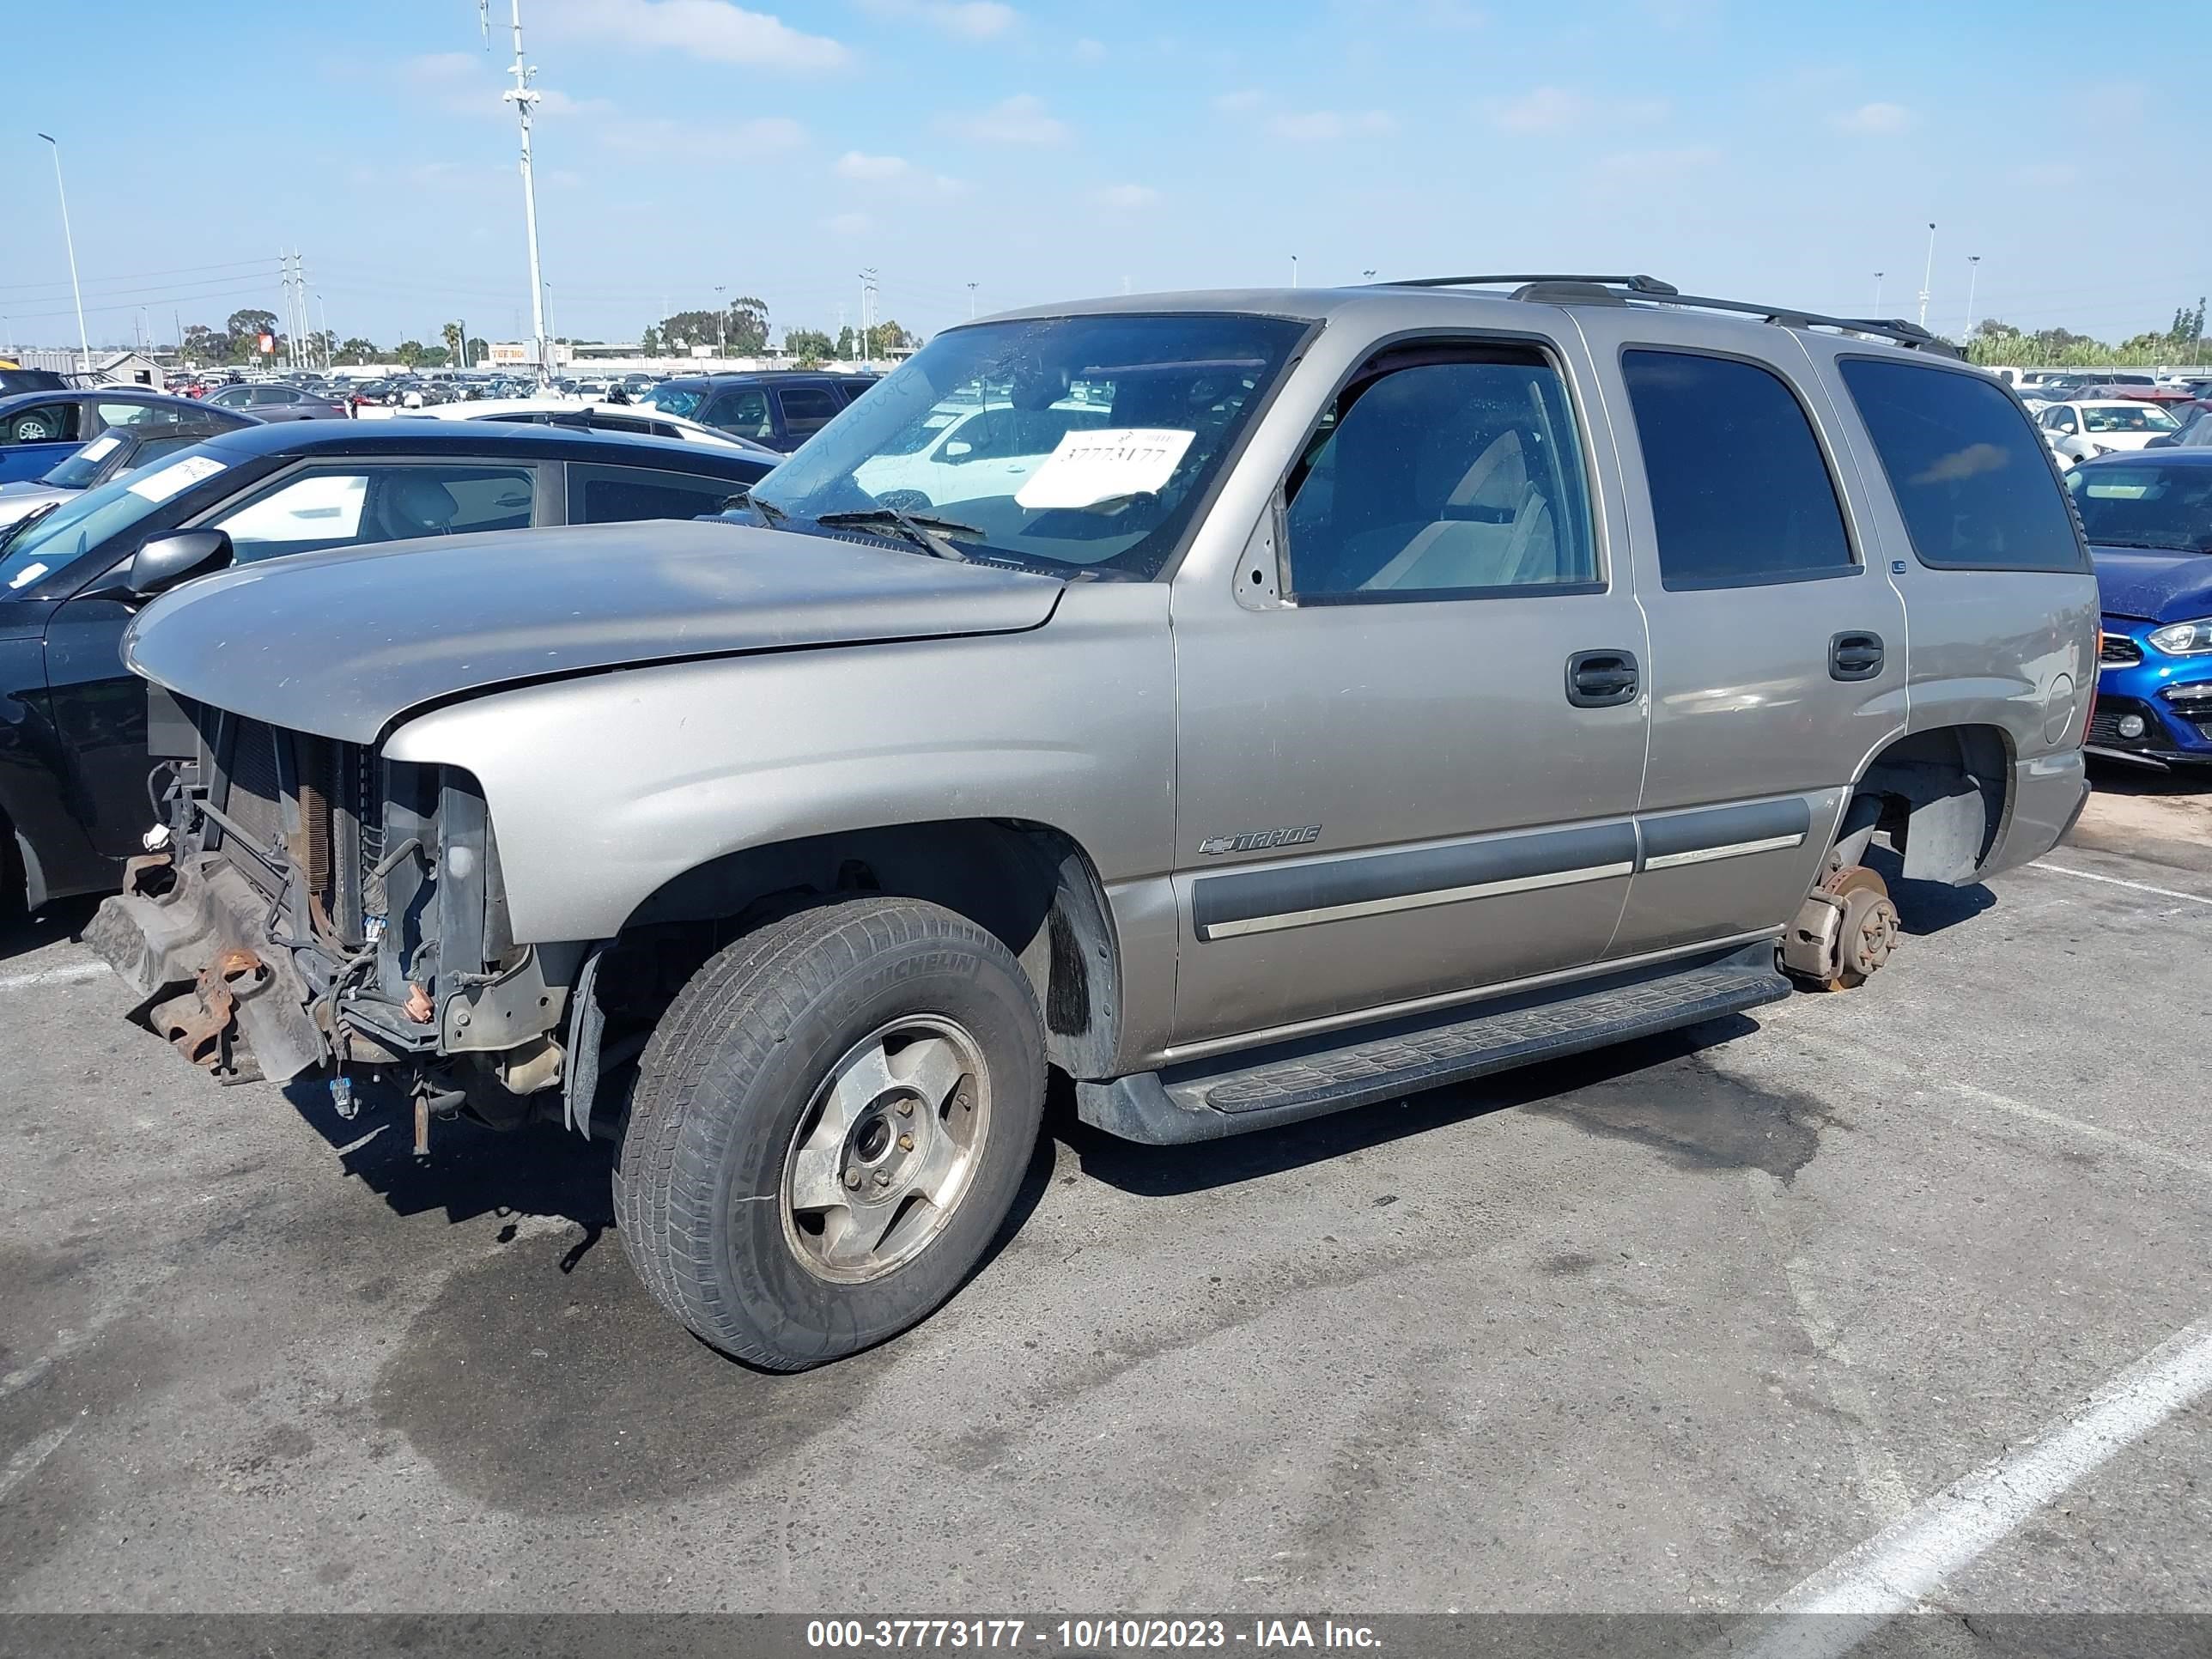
(1995, 341)
(740, 329)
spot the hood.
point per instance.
(18, 499)
(344, 643)
(2153, 586)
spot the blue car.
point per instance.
(39, 427)
(2149, 517)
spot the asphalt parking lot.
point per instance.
(1671, 1328)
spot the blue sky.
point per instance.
(1780, 151)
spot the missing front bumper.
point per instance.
(208, 978)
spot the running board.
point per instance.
(1244, 1092)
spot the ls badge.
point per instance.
(1258, 840)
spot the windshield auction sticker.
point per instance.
(1104, 465)
(98, 448)
(176, 477)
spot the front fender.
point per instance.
(603, 790)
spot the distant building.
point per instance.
(109, 366)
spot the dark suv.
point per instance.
(781, 408)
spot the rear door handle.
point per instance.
(1601, 679)
(1855, 656)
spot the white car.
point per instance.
(587, 416)
(2077, 431)
(965, 453)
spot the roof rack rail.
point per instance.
(1620, 290)
(1650, 285)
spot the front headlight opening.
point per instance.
(2183, 639)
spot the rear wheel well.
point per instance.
(1941, 796)
(1030, 886)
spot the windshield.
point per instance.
(78, 471)
(2145, 505)
(41, 547)
(2127, 417)
(1064, 441)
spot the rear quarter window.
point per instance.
(1973, 479)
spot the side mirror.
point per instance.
(167, 560)
(957, 451)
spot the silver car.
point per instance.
(1386, 687)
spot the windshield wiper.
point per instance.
(771, 515)
(925, 530)
(25, 523)
(2155, 547)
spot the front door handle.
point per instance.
(1855, 657)
(1601, 679)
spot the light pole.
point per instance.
(1369, 274)
(1877, 293)
(1928, 279)
(971, 303)
(867, 314)
(328, 342)
(720, 314)
(1973, 272)
(1294, 270)
(83, 342)
(525, 99)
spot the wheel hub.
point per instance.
(886, 1150)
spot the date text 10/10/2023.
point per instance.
(1115, 1633)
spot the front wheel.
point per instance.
(829, 1127)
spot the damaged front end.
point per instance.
(306, 905)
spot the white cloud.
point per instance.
(864, 168)
(1021, 119)
(1637, 164)
(553, 101)
(1321, 125)
(1231, 103)
(658, 135)
(971, 20)
(1875, 119)
(854, 164)
(443, 66)
(848, 224)
(705, 28)
(1126, 197)
(1544, 109)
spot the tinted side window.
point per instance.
(345, 506)
(1441, 477)
(607, 495)
(807, 409)
(1739, 491)
(1970, 475)
(744, 413)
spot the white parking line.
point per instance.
(1927, 1077)
(1891, 1571)
(64, 975)
(2115, 881)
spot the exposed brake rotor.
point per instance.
(1866, 933)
